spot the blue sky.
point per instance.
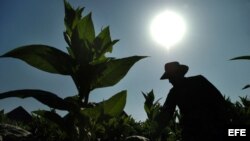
(217, 30)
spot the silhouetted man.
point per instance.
(201, 105)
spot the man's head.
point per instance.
(174, 70)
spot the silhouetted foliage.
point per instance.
(89, 67)
(239, 111)
(153, 122)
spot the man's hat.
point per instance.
(174, 69)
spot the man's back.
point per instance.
(196, 94)
(201, 105)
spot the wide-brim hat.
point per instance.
(173, 69)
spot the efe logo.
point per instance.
(237, 132)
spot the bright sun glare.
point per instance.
(168, 28)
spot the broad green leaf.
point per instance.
(103, 40)
(149, 101)
(78, 48)
(44, 97)
(86, 29)
(114, 71)
(44, 57)
(72, 17)
(146, 107)
(93, 113)
(79, 32)
(99, 54)
(152, 108)
(102, 45)
(241, 58)
(81, 40)
(114, 106)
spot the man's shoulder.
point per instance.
(196, 77)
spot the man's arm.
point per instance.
(167, 111)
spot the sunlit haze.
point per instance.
(168, 28)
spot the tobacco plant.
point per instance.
(89, 67)
(153, 109)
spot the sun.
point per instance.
(168, 28)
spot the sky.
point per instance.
(217, 30)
